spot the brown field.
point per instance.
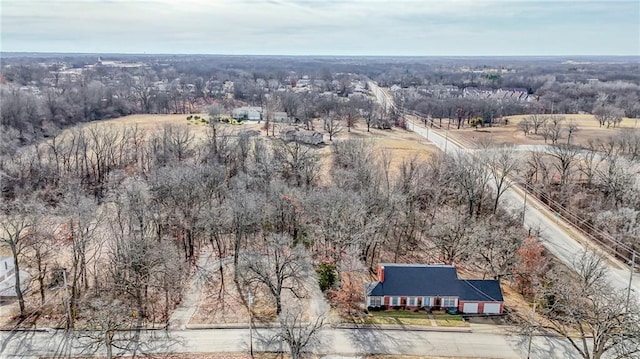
(403, 144)
(589, 129)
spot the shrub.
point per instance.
(189, 118)
(327, 276)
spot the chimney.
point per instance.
(381, 273)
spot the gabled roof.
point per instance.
(432, 280)
(480, 290)
(417, 280)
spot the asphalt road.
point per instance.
(555, 234)
(344, 342)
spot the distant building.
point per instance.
(250, 113)
(8, 278)
(280, 117)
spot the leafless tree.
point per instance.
(497, 242)
(449, 236)
(502, 163)
(537, 169)
(279, 265)
(82, 220)
(331, 125)
(608, 115)
(553, 128)
(471, 178)
(298, 333)
(595, 319)
(572, 128)
(41, 250)
(110, 323)
(525, 125)
(300, 164)
(537, 121)
(16, 220)
(354, 166)
(565, 159)
(615, 178)
(349, 112)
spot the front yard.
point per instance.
(407, 317)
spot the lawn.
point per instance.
(447, 320)
(405, 317)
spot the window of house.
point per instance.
(449, 302)
(375, 301)
(395, 301)
(426, 301)
(411, 301)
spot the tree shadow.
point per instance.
(542, 346)
(374, 340)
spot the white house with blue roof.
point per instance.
(434, 286)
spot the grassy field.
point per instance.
(588, 129)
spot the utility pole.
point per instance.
(67, 299)
(633, 269)
(251, 324)
(524, 206)
(533, 314)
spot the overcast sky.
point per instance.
(323, 27)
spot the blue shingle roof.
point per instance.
(432, 281)
(480, 290)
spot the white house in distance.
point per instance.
(8, 278)
(251, 113)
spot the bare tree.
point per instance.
(595, 319)
(296, 332)
(279, 266)
(607, 115)
(471, 178)
(16, 220)
(525, 125)
(537, 121)
(82, 221)
(349, 112)
(572, 128)
(332, 125)
(300, 164)
(615, 177)
(553, 128)
(110, 323)
(497, 242)
(449, 236)
(502, 163)
(565, 159)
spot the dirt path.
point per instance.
(193, 295)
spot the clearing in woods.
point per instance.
(402, 144)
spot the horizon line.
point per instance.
(310, 55)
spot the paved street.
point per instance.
(332, 342)
(556, 236)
